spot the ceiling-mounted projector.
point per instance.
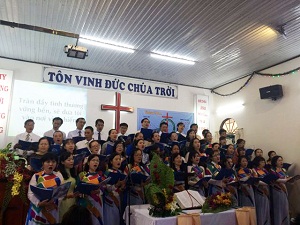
(76, 51)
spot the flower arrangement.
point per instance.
(218, 202)
(159, 192)
(13, 170)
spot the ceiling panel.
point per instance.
(227, 38)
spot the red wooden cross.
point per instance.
(117, 108)
(167, 117)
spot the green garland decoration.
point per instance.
(259, 74)
(278, 74)
(232, 93)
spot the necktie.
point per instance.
(79, 133)
(99, 136)
(27, 137)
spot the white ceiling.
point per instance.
(228, 38)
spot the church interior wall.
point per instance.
(267, 124)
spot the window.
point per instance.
(231, 127)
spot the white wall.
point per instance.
(184, 103)
(270, 125)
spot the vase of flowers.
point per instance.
(218, 202)
(159, 192)
(14, 173)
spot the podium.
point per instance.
(16, 212)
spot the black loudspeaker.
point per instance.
(272, 92)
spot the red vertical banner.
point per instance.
(202, 112)
(6, 77)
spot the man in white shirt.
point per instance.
(88, 133)
(163, 128)
(180, 128)
(80, 122)
(98, 134)
(27, 136)
(123, 129)
(56, 123)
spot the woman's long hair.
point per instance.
(61, 167)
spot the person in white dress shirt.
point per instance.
(28, 136)
(123, 129)
(80, 122)
(163, 128)
(88, 134)
(56, 123)
(180, 128)
(98, 134)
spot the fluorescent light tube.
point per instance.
(109, 45)
(172, 58)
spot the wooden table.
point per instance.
(16, 211)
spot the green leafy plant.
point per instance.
(159, 192)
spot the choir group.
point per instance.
(101, 171)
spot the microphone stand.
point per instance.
(187, 174)
(129, 185)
